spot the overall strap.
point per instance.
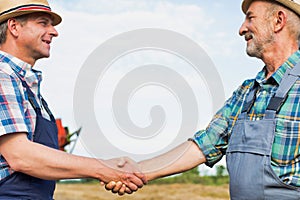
(31, 98)
(288, 80)
(249, 101)
(47, 109)
(34, 103)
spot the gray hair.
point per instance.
(293, 24)
(3, 27)
(293, 20)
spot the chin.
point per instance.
(254, 54)
(251, 51)
(45, 55)
(42, 56)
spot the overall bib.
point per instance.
(20, 186)
(250, 147)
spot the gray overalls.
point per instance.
(249, 150)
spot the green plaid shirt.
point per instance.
(285, 151)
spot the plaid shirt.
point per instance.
(16, 112)
(285, 151)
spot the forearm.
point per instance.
(46, 163)
(182, 158)
(53, 164)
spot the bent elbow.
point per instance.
(19, 165)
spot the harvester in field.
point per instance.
(66, 139)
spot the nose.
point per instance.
(243, 29)
(53, 32)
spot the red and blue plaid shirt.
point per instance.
(16, 112)
(285, 151)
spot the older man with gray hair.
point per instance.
(258, 128)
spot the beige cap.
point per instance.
(293, 5)
(14, 8)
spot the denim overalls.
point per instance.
(250, 146)
(19, 186)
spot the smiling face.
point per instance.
(257, 29)
(35, 36)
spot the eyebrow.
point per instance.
(44, 18)
(249, 13)
(49, 20)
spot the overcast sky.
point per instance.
(89, 23)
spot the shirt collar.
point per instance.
(277, 76)
(21, 68)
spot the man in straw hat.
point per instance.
(258, 129)
(29, 160)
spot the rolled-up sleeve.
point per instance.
(213, 141)
(212, 144)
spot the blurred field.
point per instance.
(92, 191)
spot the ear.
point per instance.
(13, 27)
(280, 20)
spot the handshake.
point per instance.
(122, 175)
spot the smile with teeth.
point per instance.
(248, 36)
(47, 41)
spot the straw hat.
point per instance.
(14, 8)
(293, 5)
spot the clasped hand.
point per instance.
(125, 176)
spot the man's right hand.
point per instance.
(184, 157)
(123, 175)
